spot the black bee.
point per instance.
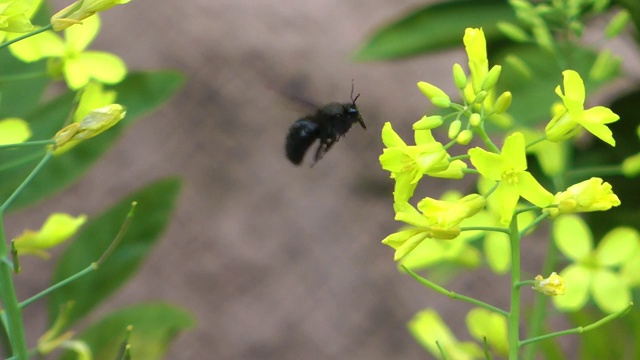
(328, 125)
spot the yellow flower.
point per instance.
(70, 58)
(58, 228)
(587, 196)
(408, 164)
(552, 286)
(509, 169)
(566, 123)
(15, 16)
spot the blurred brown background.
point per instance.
(275, 261)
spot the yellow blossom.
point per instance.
(552, 286)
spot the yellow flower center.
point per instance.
(510, 176)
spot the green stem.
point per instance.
(23, 76)
(28, 143)
(580, 329)
(536, 141)
(533, 224)
(485, 228)
(452, 294)
(26, 181)
(525, 282)
(486, 140)
(123, 230)
(34, 32)
(540, 303)
(514, 312)
(13, 312)
(94, 266)
(58, 285)
(15, 328)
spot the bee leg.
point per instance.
(322, 149)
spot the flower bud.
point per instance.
(80, 10)
(617, 24)
(513, 32)
(631, 166)
(459, 77)
(454, 129)
(503, 102)
(480, 97)
(464, 137)
(605, 66)
(438, 97)
(475, 119)
(492, 78)
(428, 123)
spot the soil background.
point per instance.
(275, 261)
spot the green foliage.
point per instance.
(156, 202)
(434, 27)
(154, 325)
(69, 134)
(139, 93)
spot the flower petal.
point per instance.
(573, 237)
(594, 121)
(514, 151)
(507, 195)
(490, 165)
(34, 48)
(390, 138)
(532, 191)
(578, 280)
(79, 37)
(610, 292)
(574, 92)
(617, 246)
(104, 67)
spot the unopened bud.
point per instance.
(503, 102)
(492, 78)
(454, 128)
(438, 97)
(428, 123)
(464, 137)
(475, 119)
(459, 77)
(480, 97)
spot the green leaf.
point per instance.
(139, 93)
(435, 27)
(22, 84)
(152, 214)
(155, 325)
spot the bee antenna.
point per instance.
(353, 100)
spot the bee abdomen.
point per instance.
(300, 137)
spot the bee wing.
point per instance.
(301, 135)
